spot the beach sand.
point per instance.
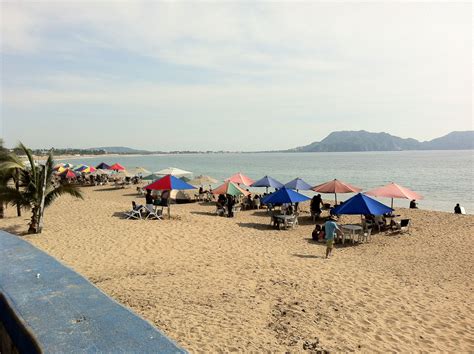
(234, 284)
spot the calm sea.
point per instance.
(443, 177)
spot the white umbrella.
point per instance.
(202, 180)
(172, 171)
(140, 171)
(101, 172)
(122, 174)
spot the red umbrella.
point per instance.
(117, 167)
(168, 183)
(335, 186)
(239, 178)
(68, 174)
(393, 190)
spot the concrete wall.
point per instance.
(60, 311)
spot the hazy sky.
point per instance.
(231, 75)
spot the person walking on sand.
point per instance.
(331, 229)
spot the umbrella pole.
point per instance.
(335, 199)
(392, 204)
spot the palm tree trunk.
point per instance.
(34, 221)
(2, 210)
(17, 186)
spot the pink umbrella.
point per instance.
(393, 190)
(335, 186)
(230, 188)
(239, 178)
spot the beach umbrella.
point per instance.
(298, 184)
(169, 183)
(58, 166)
(393, 190)
(284, 196)
(267, 181)
(102, 166)
(202, 180)
(80, 168)
(68, 165)
(151, 177)
(230, 188)
(116, 167)
(121, 174)
(173, 171)
(240, 178)
(60, 169)
(89, 169)
(101, 172)
(363, 205)
(140, 171)
(335, 186)
(67, 174)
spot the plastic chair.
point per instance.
(365, 236)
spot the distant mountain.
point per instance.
(122, 150)
(452, 141)
(367, 141)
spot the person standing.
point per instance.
(331, 229)
(230, 206)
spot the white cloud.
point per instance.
(327, 66)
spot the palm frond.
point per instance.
(11, 196)
(70, 189)
(29, 155)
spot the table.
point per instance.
(282, 218)
(353, 229)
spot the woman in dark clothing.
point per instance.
(230, 206)
(316, 204)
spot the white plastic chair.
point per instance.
(365, 236)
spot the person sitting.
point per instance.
(149, 200)
(413, 204)
(248, 204)
(318, 233)
(221, 201)
(457, 209)
(290, 210)
(201, 190)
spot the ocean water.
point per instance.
(444, 178)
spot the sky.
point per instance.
(197, 75)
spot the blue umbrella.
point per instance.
(284, 196)
(297, 184)
(102, 166)
(267, 181)
(360, 204)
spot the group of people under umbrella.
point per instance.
(288, 193)
(172, 179)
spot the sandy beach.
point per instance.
(217, 284)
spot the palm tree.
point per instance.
(37, 191)
(4, 178)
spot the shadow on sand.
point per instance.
(108, 189)
(208, 213)
(15, 230)
(306, 256)
(255, 226)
